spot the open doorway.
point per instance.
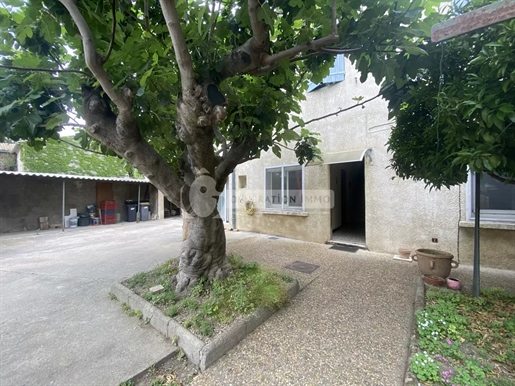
(348, 213)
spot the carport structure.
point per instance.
(27, 196)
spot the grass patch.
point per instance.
(214, 304)
(466, 340)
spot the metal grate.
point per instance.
(345, 248)
(303, 267)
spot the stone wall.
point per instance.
(8, 161)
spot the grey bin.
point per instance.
(144, 211)
(132, 210)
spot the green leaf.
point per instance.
(143, 80)
(414, 50)
(33, 120)
(18, 17)
(277, 151)
(26, 61)
(57, 120)
(488, 138)
(7, 108)
(289, 135)
(506, 108)
(495, 161)
(296, 3)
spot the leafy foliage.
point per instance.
(458, 111)
(40, 33)
(466, 340)
(68, 158)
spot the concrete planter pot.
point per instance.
(404, 253)
(436, 281)
(432, 262)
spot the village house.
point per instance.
(352, 197)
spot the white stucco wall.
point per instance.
(398, 213)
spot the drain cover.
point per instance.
(303, 267)
(345, 248)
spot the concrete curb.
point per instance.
(136, 377)
(420, 303)
(197, 351)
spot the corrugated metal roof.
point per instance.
(8, 147)
(73, 177)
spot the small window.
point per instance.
(284, 188)
(496, 202)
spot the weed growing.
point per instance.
(129, 311)
(211, 305)
(466, 340)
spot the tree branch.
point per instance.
(253, 57)
(80, 147)
(147, 18)
(113, 33)
(179, 45)
(334, 26)
(502, 179)
(235, 156)
(93, 59)
(259, 33)
(43, 69)
(339, 111)
(213, 25)
(314, 45)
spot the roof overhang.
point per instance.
(342, 157)
(74, 177)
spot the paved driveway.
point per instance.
(58, 325)
(349, 326)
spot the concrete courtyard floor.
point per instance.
(58, 326)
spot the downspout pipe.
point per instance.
(139, 196)
(233, 200)
(476, 276)
(64, 196)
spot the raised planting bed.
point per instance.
(216, 316)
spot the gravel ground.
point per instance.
(348, 326)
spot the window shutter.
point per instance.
(336, 74)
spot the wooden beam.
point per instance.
(473, 20)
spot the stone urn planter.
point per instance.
(432, 262)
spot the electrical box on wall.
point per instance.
(242, 182)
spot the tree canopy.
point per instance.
(138, 54)
(458, 113)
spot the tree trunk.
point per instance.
(203, 251)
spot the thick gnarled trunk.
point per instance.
(203, 251)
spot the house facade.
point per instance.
(352, 197)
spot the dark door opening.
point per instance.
(348, 213)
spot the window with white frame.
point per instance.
(496, 201)
(284, 187)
